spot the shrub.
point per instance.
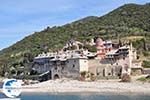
(83, 74)
(146, 64)
(126, 78)
(90, 48)
(144, 79)
(146, 53)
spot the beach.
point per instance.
(99, 86)
(70, 86)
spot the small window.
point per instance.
(109, 74)
(73, 66)
(67, 61)
(98, 74)
(55, 68)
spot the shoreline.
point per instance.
(102, 91)
(74, 86)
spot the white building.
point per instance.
(71, 63)
(67, 64)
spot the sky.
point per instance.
(20, 18)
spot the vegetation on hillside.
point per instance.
(146, 64)
(127, 20)
(144, 79)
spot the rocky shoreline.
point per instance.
(74, 86)
(70, 86)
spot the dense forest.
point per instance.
(127, 20)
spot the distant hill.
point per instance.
(127, 20)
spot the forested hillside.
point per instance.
(127, 20)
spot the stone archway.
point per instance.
(56, 76)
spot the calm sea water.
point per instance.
(81, 96)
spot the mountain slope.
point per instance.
(129, 19)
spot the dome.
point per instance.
(99, 41)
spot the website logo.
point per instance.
(12, 88)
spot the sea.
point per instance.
(78, 96)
